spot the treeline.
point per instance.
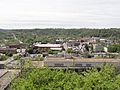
(73, 32)
(50, 35)
(6, 36)
(46, 79)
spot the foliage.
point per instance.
(86, 55)
(17, 57)
(38, 58)
(87, 47)
(30, 50)
(47, 79)
(114, 48)
(69, 50)
(9, 54)
(3, 57)
(50, 35)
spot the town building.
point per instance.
(8, 50)
(58, 47)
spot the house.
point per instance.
(106, 49)
(71, 44)
(18, 46)
(98, 48)
(59, 41)
(94, 40)
(14, 46)
(8, 50)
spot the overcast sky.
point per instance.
(59, 13)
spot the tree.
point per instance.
(69, 50)
(114, 48)
(50, 51)
(3, 57)
(39, 58)
(30, 50)
(9, 54)
(17, 57)
(87, 47)
(47, 79)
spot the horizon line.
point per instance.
(54, 28)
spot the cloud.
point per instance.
(59, 13)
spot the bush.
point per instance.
(3, 57)
(47, 79)
(30, 50)
(9, 54)
(114, 48)
(17, 57)
(69, 50)
(39, 58)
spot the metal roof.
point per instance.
(62, 59)
(48, 45)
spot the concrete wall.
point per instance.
(73, 64)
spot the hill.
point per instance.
(49, 35)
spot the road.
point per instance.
(16, 38)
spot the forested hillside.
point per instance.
(74, 32)
(48, 35)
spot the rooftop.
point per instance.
(2, 72)
(62, 59)
(48, 45)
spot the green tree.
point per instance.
(47, 79)
(114, 48)
(87, 47)
(38, 58)
(69, 50)
(3, 57)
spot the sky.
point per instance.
(17, 14)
